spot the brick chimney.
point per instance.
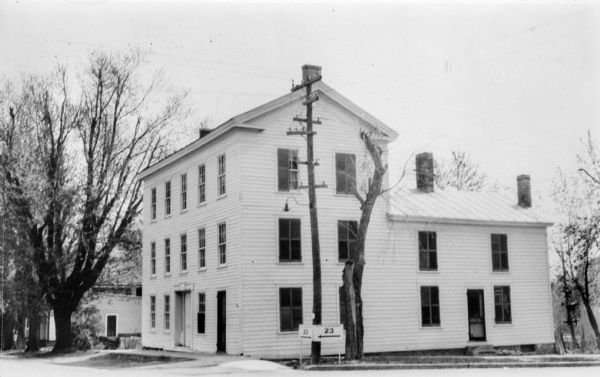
(424, 170)
(310, 72)
(203, 132)
(524, 190)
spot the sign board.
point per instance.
(305, 331)
(324, 333)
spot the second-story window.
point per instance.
(428, 251)
(201, 248)
(290, 249)
(222, 171)
(222, 230)
(183, 192)
(345, 173)
(201, 183)
(287, 169)
(347, 236)
(167, 198)
(153, 203)
(167, 255)
(183, 252)
(153, 258)
(499, 252)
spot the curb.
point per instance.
(451, 366)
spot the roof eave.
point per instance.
(473, 222)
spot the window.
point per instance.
(183, 252)
(222, 230)
(499, 252)
(153, 204)
(221, 181)
(167, 312)
(430, 306)
(347, 236)
(201, 312)
(502, 304)
(153, 258)
(111, 325)
(290, 308)
(152, 312)
(427, 251)
(167, 256)
(290, 249)
(201, 248)
(183, 192)
(201, 184)
(345, 173)
(342, 298)
(287, 169)
(167, 198)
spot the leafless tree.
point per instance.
(70, 155)
(461, 173)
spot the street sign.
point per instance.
(305, 331)
(328, 332)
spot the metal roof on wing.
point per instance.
(463, 207)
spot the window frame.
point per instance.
(167, 313)
(168, 198)
(201, 313)
(153, 203)
(183, 252)
(289, 240)
(202, 184)
(291, 309)
(222, 243)
(433, 307)
(341, 175)
(288, 174)
(350, 242)
(167, 243)
(428, 251)
(152, 258)
(152, 312)
(202, 248)
(505, 302)
(499, 250)
(183, 193)
(221, 175)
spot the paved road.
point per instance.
(17, 367)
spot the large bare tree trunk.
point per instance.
(64, 330)
(592, 318)
(350, 311)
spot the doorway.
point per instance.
(111, 325)
(183, 319)
(476, 313)
(221, 321)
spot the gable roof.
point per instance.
(238, 123)
(462, 207)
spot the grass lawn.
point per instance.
(126, 360)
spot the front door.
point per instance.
(183, 319)
(221, 321)
(476, 314)
(111, 326)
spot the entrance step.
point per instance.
(482, 350)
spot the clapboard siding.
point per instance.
(391, 285)
(214, 278)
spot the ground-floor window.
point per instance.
(167, 312)
(201, 313)
(290, 308)
(502, 304)
(430, 306)
(152, 312)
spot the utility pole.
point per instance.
(310, 75)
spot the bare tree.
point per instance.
(353, 270)
(461, 173)
(70, 155)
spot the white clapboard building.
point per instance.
(227, 260)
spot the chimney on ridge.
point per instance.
(203, 132)
(309, 72)
(524, 190)
(424, 170)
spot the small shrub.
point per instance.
(86, 324)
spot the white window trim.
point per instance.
(181, 270)
(106, 324)
(181, 192)
(219, 175)
(278, 308)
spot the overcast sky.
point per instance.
(517, 86)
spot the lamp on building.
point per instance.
(286, 208)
